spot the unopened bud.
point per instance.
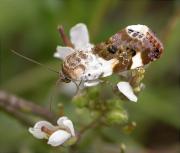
(116, 117)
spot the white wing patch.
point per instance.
(136, 61)
(137, 31)
(138, 28)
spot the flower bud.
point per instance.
(116, 117)
(80, 101)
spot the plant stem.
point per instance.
(64, 37)
(17, 106)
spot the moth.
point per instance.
(133, 47)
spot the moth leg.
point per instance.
(135, 79)
(64, 37)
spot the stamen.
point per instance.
(46, 130)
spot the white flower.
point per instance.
(37, 132)
(56, 135)
(126, 89)
(80, 39)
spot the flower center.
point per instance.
(46, 130)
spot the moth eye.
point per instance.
(130, 30)
(112, 49)
(133, 52)
(89, 74)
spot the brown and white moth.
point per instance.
(131, 48)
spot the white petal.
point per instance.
(91, 83)
(58, 138)
(108, 67)
(68, 124)
(127, 90)
(63, 52)
(61, 120)
(80, 37)
(37, 132)
(65, 122)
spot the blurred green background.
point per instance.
(30, 27)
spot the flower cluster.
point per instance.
(56, 135)
(80, 39)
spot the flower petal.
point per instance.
(108, 66)
(37, 132)
(61, 120)
(91, 83)
(63, 52)
(127, 90)
(58, 138)
(80, 37)
(66, 123)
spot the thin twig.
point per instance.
(64, 37)
(23, 119)
(14, 105)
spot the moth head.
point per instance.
(63, 77)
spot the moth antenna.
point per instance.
(34, 61)
(53, 94)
